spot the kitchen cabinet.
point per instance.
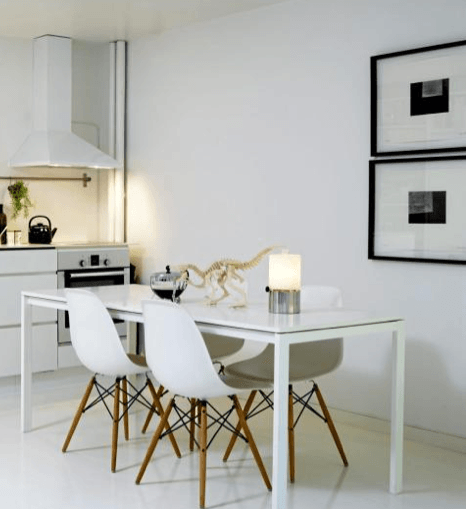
(26, 269)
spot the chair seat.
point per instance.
(133, 365)
(241, 383)
(139, 360)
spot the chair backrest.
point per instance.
(94, 336)
(176, 352)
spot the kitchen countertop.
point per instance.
(26, 246)
(65, 245)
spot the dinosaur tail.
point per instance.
(258, 258)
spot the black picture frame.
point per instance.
(417, 210)
(418, 100)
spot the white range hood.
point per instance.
(51, 142)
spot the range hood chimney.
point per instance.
(51, 142)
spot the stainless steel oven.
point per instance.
(90, 266)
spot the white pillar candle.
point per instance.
(285, 272)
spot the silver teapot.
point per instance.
(169, 285)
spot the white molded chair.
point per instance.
(307, 362)
(222, 350)
(98, 346)
(178, 358)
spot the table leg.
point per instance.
(397, 408)
(26, 364)
(280, 422)
(132, 337)
(132, 347)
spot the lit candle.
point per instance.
(285, 272)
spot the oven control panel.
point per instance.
(84, 258)
(97, 260)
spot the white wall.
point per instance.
(254, 130)
(74, 210)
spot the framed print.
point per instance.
(418, 100)
(417, 209)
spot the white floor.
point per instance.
(35, 474)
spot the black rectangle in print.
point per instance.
(427, 207)
(429, 97)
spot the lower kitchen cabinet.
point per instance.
(44, 352)
(11, 287)
(26, 269)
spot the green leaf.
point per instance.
(20, 199)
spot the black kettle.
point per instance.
(41, 233)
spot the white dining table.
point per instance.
(253, 322)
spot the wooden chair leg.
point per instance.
(125, 407)
(291, 445)
(199, 414)
(150, 413)
(116, 418)
(153, 410)
(154, 441)
(234, 436)
(330, 424)
(203, 454)
(159, 408)
(78, 414)
(252, 443)
(192, 424)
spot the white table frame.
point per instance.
(282, 337)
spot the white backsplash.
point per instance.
(76, 211)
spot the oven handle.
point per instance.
(84, 274)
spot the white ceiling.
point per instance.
(109, 20)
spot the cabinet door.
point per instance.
(44, 350)
(11, 287)
(26, 261)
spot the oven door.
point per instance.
(85, 278)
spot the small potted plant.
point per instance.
(20, 199)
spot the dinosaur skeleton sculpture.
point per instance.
(222, 275)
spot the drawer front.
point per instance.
(25, 261)
(10, 297)
(44, 349)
